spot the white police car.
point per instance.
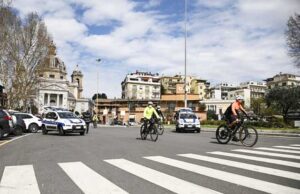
(187, 121)
(63, 122)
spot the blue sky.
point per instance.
(228, 40)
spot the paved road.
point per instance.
(115, 160)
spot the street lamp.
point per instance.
(185, 92)
(98, 60)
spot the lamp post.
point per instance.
(98, 60)
(185, 91)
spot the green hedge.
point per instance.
(212, 122)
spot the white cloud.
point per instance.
(228, 40)
(66, 29)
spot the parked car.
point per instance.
(19, 126)
(32, 123)
(116, 122)
(6, 124)
(63, 122)
(187, 121)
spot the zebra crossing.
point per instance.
(22, 178)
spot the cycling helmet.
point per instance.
(239, 97)
(150, 103)
(158, 107)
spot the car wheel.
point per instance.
(44, 130)
(33, 128)
(18, 130)
(198, 130)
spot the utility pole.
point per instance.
(185, 21)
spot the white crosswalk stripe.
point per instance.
(297, 145)
(251, 167)
(287, 147)
(88, 180)
(19, 180)
(268, 154)
(224, 176)
(166, 181)
(260, 159)
(279, 150)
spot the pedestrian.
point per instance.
(95, 120)
(86, 116)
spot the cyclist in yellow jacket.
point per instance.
(148, 113)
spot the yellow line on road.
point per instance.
(8, 141)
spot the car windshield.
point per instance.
(67, 115)
(188, 116)
(185, 110)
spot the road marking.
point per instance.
(88, 180)
(265, 160)
(245, 166)
(19, 180)
(268, 154)
(297, 145)
(226, 176)
(279, 150)
(8, 141)
(163, 180)
(287, 147)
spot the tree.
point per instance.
(100, 96)
(293, 38)
(24, 48)
(284, 99)
(258, 106)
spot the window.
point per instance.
(50, 115)
(171, 106)
(41, 75)
(67, 115)
(284, 84)
(61, 77)
(24, 116)
(52, 76)
(2, 114)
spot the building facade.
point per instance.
(54, 89)
(141, 86)
(283, 80)
(175, 85)
(257, 89)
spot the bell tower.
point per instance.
(77, 77)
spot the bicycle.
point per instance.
(247, 135)
(160, 127)
(151, 129)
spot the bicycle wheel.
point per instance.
(160, 129)
(248, 136)
(154, 133)
(143, 132)
(223, 134)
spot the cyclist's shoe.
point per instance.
(235, 138)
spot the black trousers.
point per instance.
(87, 127)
